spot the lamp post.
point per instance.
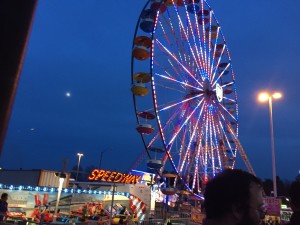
(112, 204)
(62, 176)
(263, 97)
(79, 157)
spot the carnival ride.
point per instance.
(184, 92)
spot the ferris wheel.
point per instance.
(184, 91)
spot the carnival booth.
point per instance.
(108, 194)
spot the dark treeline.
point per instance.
(283, 186)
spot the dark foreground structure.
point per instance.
(16, 20)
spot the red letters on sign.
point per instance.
(109, 176)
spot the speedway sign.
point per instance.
(111, 176)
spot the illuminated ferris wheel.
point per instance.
(184, 91)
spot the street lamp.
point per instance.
(79, 157)
(263, 97)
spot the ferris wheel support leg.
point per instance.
(241, 150)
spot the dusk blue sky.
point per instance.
(84, 47)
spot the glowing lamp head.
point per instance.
(79, 154)
(277, 95)
(263, 97)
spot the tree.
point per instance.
(282, 186)
(268, 186)
(298, 177)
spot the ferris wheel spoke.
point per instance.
(210, 63)
(211, 66)
(177, 130)
(217, 64)
(184, 160)
(227, 113)
(196, 170)
(178, 73)
(201, 56)
(164, 126)
(181, 66)
(224, 129)
(180, 99)
(179, 63)
(212, 155)
(227, 84)
(192, 137)
(177, 121)
(204, 36)
(168, 40)
(221, 133)
(184, 83)
(186, 120)
(206, 144)
(195, 156)
(234, 138)
(203, 43)
(212, 145)
(164, 31)
(160, 106)
(165, 70)
(187, 39)
(192, 32)
(216, 140)
(209, 41)
(230, 99)
(227, 140)
(170, 26)
(181, 150)
(181, 102)
(177, 77)
(169, 147)
(221, 74)
(170, 88)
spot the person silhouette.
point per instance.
(3, 206)
(234, 197)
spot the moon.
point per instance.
(68, 94)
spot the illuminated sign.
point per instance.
(116, 177)
(273, 206)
